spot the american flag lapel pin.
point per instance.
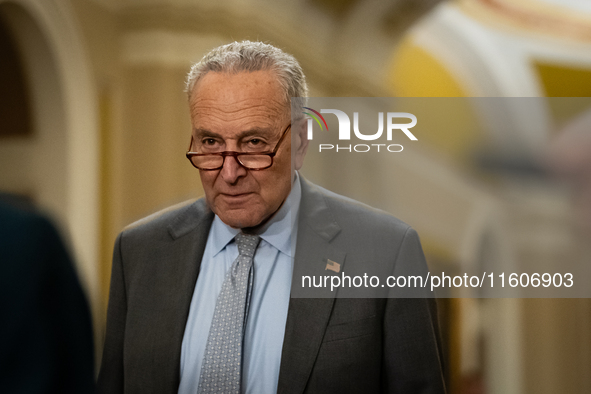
(333, 266)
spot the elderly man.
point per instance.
(200, 293)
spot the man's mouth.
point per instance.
(236, 198)
(235, 194)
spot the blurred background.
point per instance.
(94, 126)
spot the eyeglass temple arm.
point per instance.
(190, 144)
(281, 139)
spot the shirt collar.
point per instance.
(277, 231)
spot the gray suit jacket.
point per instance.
(342, 345)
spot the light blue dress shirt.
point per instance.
(265, 327)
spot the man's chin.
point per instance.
(241, 224)
(241, 218)
(252, 214)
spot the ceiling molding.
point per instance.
(178, 36)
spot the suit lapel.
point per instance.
(307, 318)
(188, 234)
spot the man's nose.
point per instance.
(232, 170)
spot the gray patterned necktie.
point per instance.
(222, 363)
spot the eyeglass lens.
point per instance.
(216, 161)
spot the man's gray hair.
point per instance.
(248, 56)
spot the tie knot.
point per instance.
(247, 244)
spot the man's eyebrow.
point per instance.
(266, 131)
(205, 133)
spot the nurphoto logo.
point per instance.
(393, 125)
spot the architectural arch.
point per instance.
(63, 151)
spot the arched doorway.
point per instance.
(55, 163)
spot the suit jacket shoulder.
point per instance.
(46, 331)
(371, 239)
(176, 220)
(352, 213)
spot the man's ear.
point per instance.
(300, 140)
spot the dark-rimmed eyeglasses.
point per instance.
(250, 160)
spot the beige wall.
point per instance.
(557, 345)
(154, 169)
(145, 131)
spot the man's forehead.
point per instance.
(255, 98)
(257, 87)
(238, 102)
